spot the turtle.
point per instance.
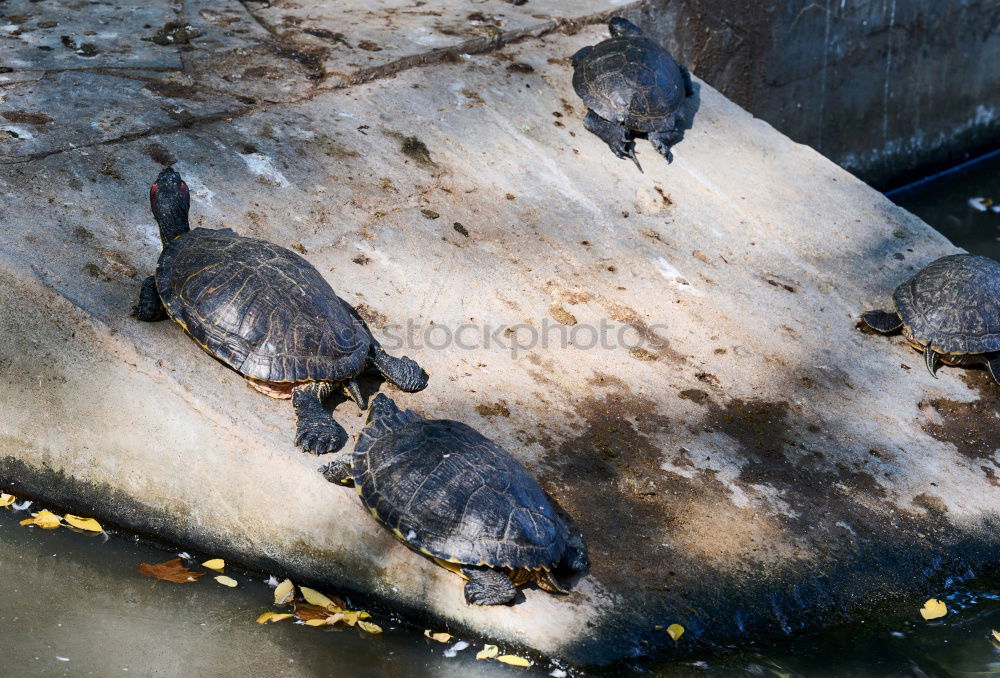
(630, 85)
(455, 496)
(267, 313)
(950, 311)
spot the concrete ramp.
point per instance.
(673, 354)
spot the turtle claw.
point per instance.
(322, 438)
(930, 360)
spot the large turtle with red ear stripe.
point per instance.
(452, 494)
(950, 311)
(265, 312)
(631, 84)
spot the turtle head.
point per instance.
(620, 28)
(170, 200)
(382, 406)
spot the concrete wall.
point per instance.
(886, 88)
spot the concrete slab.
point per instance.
(739, 456)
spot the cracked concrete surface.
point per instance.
(740, 457)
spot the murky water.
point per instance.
(74, 605)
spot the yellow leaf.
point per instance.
(227, 581)
(314, 597)
(315, 622)
(7, 499)
(513, 660)
(350, 617)
(996, 636)
(87, 524)
(488, 652)
(43, 519)
(284, 592)
(675, 631)
(933, 609)
(272, 617)
(439, 637)
(215, 564)
(368, 627)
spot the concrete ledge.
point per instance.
(756, 461)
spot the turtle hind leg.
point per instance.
(316, 432)
(403, 372)
(614, 134)
(487, 586)
(340, 471)
(992, 361)
(884, 322)
(150, 307)
(663, 139)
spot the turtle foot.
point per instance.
(316, 432)
(614, 134)
(150, 307)
(487, 586)
(403, 372)
(340, 471)
(662, 141)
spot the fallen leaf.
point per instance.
(488, 652)
(86, 524)
(315, 622)
(44, 519)
(273, 617)
(369, 627)
(996, 636)
(7, 499)
(170, 570)
(307, 612)
(284, 592)
(314, 597)
(227, 581)
(675, 631)
(215, 564)
(439, 637)
(513, 660)
(933, 609)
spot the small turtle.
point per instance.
(450, 493)
(950, 311)
(631, 84)
(265, 312)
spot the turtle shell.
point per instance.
(631, 80)
(953, 304)
(453, 494)
(259, 308)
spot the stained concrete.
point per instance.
(888, 90)
(742, 460)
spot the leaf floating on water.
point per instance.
(369, 627)
(996, 639)
(215, 564)
(307, 612)
(933, 609)
(284, 592)
(314, 597)
(675, 631)
(439, 637)
(86, 524)
(273, 617)
(227, 581)
(7, 499)
(513, 660)
(488, 652)
(170, 570)
(44, 519)
(315, 622)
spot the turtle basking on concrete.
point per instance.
(950, 311)
(631, 84)
(265, 312)
(460, 499)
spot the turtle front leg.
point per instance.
(884, 322)
(931, 360)
(614, 134)
(992, 361)
(340, 471)
(487, 586)
(150, 306)
(686, 76)
(403, 372)
(663, 139)
(316, 432)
